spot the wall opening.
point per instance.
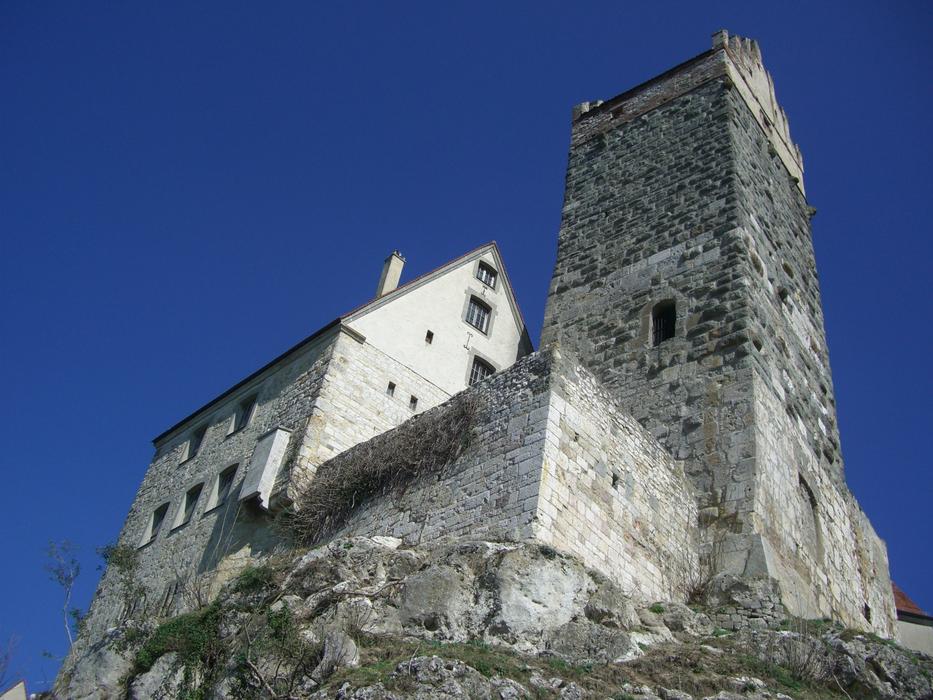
(663, 321)
(810, 521)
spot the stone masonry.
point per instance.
(554, 459)
(677, 431)
(688, 191)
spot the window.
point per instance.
(663, 321)
(194, 442)
(413, 403)
(480, 370)
(155, 523)
(486, 274)
(478, 315)
(187, 509)
(429, 337)
(224, 485)
(390, 390)
(244, 413)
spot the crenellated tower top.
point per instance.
(747, 72)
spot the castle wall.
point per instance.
(687, 189)
(182, 554)
(553, 458)
(816, 540)
(612, 496)
(650, 215)
(353, 405)
(491, 492)
(330, 396)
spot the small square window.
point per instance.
(187, 509)
(478, 315)
(429, 337)
(486, 274)
(413, 403)
(480, 370)
(390, 390)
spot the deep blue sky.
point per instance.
(187, 188)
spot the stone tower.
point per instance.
(686, 281)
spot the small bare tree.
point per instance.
(63, 568)
(6, 655)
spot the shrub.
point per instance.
(193, 636)
(426, 444)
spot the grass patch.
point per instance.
(254, 579)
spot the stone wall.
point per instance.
(331, 395)
(612, 496)
(552, 458)
(684, 190)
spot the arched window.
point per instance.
(663, 321)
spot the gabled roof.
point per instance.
(420, 280)
(356, 313)
(904, 604)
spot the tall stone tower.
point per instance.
(686, 281)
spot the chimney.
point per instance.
(391, 271)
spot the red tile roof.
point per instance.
(903, 603)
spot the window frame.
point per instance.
(474, 300)
(193, 449)
(493, 274)
(184, 516)
(153, 526)
(244, 413)
(214, 500)
(479, 362)
(662, 313)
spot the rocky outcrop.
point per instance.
(367, 618)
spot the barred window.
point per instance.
(390, 390)
(486, 274)
(480, 370)
(413, 403)
(478, 315)
(663, 322)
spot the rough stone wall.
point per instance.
(816, 541)
(330, 396)
(492, 490)
(612, 496)
(676, 192)
(650, 214)
(552, 458)
(169, 567)
(353, 405)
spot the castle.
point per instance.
(678, 421)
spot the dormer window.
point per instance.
(486, 274)
(478, 315)
(663, 322)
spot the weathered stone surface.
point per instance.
(681, 192)
(483, 595)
